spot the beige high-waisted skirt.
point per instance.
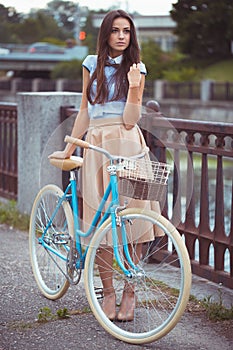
(112, 135)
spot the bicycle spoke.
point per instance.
(161, 288)
(50, 269)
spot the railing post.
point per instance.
(39, 134)
(36, 84)
(14, 85)
(158, 90)
(206, 90)
(60, 84)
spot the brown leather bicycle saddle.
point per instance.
(67, 164)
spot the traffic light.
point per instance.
(82, 35)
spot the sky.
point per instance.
(144, 7)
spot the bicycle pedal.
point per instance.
(61, 238)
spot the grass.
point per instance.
(221, 71)
(10, 215)
(216, 311)
(46, 315)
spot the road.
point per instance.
(25, 61)
(21, 302)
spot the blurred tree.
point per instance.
(26, 29)
(204, 27)
(69, 70)
(155, 59)
(38, 26)
(8, 18)
(64, 13)
(9, 15)
(92, 33)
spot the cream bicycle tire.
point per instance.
(51, 281)
(170, 314)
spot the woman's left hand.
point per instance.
(134, 75)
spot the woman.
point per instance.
(113, 84)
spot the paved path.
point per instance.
(21, 301)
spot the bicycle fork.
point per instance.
(119, 223)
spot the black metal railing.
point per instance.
(200, 190)
(200, 196)
(171, 90)
(8, 151)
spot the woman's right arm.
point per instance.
(81, 122)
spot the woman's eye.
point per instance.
(125, 31)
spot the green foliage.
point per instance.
(9, 15)
(216, 311)
(29, 29)
(179, 75)
(56, 22)
(10, 215)
(9, 19)
(63, 313)
(92, 34)
(204, 28)
(68, 70)
(155, 59)
(171, 66)
(41, 26)
(86, 310)
(220, 71)
(45, 314)
(65, 13)
(196, 70)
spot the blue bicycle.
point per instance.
(59, 255)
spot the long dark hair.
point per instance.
(131, 55)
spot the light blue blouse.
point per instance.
(112, 108)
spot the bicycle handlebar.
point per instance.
(77, 142)
(85, 144)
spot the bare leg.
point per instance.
(105, 262)
(128, 302)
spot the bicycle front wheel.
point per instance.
(161, 289)
(49, 266)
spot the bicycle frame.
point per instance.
(70, 194)
(63, 251)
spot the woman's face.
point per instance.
(119, 38)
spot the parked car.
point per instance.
(43, 47)
(4, 51)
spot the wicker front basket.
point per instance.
(144, 179)
(142, 190)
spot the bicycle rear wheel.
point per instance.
(161, 289)
(49, 269)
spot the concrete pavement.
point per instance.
(21, 301)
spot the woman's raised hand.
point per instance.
(134, 75)
(59, 154)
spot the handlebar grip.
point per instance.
(77, 142)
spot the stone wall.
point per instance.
(39, 134)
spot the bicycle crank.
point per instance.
(73, 272)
